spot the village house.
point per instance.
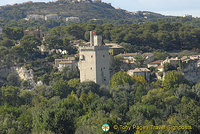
(148, 57)
(114, 49)
(31, 17)
(154, 63)
(78, 43)
(35, 32)
(70, 62)
(73, 19)
(175, 62)
(129, 57)
(160, 68)
(144, 72)
(51, 17)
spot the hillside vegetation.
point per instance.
(87, 10)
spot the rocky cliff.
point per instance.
(21, 72)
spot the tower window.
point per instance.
(103, 55)
(91, 68)
(91, 56)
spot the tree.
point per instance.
(10, 95)
(120, 78)
(13, 80)
(75, 31)
(173, 79)
(74, 82)
(53, 42)
(13, 33)
(116, 64)
(7, 42)
(196, 91)
(160, 55)
(169, 67)
(59, 117)
(86, 87)
(139, 79)
(160, 98)
(18, 54)
(60, 88)
(30, 45)
(139, 61)
(187, 113)
(139, 112)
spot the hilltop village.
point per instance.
(95, 58)
(187, 65)
(58, 78)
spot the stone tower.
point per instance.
(94, 61)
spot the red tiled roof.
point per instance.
(156, 62)
(160, 66)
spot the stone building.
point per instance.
(51, 17)
(148, 57)
(129, 57)
(70, 62)
(94, 61)
(72, 19)
(115, 49)
(144, 72)
(31, 17)
(154, 63)
(172, 61)
(35, 32)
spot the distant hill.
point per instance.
(86, 10)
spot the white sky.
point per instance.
(166, 7)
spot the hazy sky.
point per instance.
(167, 7)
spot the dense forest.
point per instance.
(68, 106)
(64, 105)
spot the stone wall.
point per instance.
(192, 75)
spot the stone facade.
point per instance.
(31, 17)
(115, 49)
(51, 17)
(144, 72)
(70, 62)
(154, 64)
(72, 19)
(148, 57)
(35, 32)
(94, 61)
(172, 61)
